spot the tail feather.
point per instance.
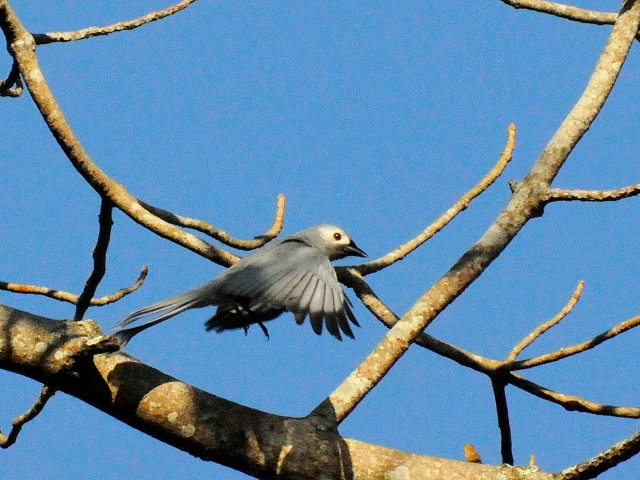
(197, 298)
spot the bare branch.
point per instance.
(502, 409)
(529, 339)
(479, 363)
(206, 426)
(46, 393)
(575, 349)
(572, 403)
(606, 460)
(21, 45)
(403, 250)
(526, 202)
(51, 37)
(561, 194)
(7, 88)
(221, 235)
(99, 259)
(72, 298)
(565, 11)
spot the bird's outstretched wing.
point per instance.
(301, 281)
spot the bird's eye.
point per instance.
(337, 236)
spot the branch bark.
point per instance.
(66, 355)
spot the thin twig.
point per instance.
(561, 194)
(221, 235)
(44, 38)
(7, 88)
(529, 339)
(572, 403)
(565, 11)
(46, 393)
(574, 349)
(99, 259)
(72, 298)
(604, 461)
(403, 250)
(502, 409)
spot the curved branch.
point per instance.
(7, 88)
(51, 37)
(403, 250)
(72, 298)
(527, 202)
(221, 235)
(22, 46)
(529, 339)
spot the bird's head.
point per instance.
(334, 241)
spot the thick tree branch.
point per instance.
(527, 202)
(44, 38)
(64, 354)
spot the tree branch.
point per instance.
(574, 349)
(72, 298)
(403, 250)
(7, 88)
(51, 37)
(46, 393)
(502, 410)
(565, 11)
(21, 45)
(608, 459)
(561, 194)
(529, 339)
(63, 354)
(527, 202)
(99, 259)
(221, 235)
(488, 366)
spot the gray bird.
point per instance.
(292, 274)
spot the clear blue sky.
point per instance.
(375, 116)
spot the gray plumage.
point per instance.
(291, 274)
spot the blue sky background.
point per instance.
(375, 116)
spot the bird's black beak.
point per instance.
(353, 250)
